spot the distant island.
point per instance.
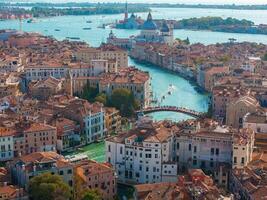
(211, 6)
(219, 24)
(139, 5)
(14, 11)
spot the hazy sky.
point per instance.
(157, 1)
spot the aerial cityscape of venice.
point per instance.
(132, 100)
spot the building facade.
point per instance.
(99, 176)
(6, 144)
(34, 164)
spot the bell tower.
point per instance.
(126, 12)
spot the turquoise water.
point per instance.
(95, 151)
(184, 93)
(72, 26)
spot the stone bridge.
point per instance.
(186, 111)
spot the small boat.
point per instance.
(87, 28)
(89, 21)
(102, 26)
(163, 97)
(31, 20)
(74, 38)
(169, 92)
(57, 29)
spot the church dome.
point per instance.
(149, 23)
(165, 27)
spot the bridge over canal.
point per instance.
(186, 111)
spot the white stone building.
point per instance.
(207, 145)
(257, 121)
(144, 154)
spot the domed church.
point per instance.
(151, 33)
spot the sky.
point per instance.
(251, 2)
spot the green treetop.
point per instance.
(47, 186)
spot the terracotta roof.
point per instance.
(4, 132)
(37, 127)
(45, 157)
(11, 191)
(124, 76)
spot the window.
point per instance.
(148, 155)
(235, 160)
(194, 162)
(61, 172)
(69, 171)
(70, 183)
(212, 151)
(217, 152)
(120, 150)
(195, 149)
(242, 160)
(109, 148)
(189, 147)
(178, 145)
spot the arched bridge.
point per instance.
(186, 111)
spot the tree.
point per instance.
(102, 98)
(265, 57)
(89, 93)
(47, 186)
(123, 100)
(91, 195)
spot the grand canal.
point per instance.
(184, 93)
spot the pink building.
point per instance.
(34, 137)
(98, 176)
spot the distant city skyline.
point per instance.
(248, 2)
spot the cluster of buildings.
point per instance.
(90, 174)
(151, 32)
(7, 14)
(221, 156)
(193, 159)
(227, 153)
(43, 66)
(40, 116)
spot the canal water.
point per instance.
(184, 93)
